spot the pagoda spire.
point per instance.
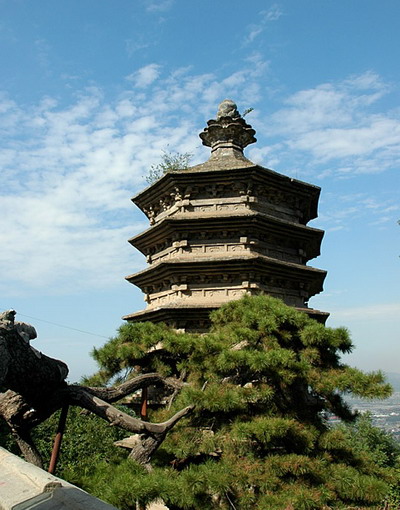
(229, 133)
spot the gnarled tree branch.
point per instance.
(127, 388)
(36, 388)
(82, 398)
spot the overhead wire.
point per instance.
(60, 325)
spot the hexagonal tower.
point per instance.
(225, 228)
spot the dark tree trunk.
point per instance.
(144, 449)
(36, 388)
(28, 372)
(27, 446)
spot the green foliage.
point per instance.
(247, 111)
(264, 380)
(6, 439)
(383, 450)
(363, 435)
(170, 162)
(87, 441)
(393, 498)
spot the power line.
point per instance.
(61, 325)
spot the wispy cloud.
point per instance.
(341, 212)
(383, 312)
(264, 17)
(145, 76)
(68, 173)
(337, 125)
(132, 46)
(42, 55)
(159, 5)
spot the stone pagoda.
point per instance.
(225, 228)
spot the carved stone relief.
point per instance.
(223, 197)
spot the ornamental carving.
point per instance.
(225, 233)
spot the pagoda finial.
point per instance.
(227, 108)
(229, 131)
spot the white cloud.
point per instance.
(133, 46)
(42, 55)
(342, 212)
(273, 13)
(367, 80)
(264, 17)
(159, 5)
(381, 221)
(383, 312)
(336, 124)
(68, 173)
(145, 76)
(379, 135)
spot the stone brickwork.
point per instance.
(223, 229)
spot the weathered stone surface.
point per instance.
(24, 486)
(265, 235)
(4, 359)
(227, 108)
(229, 133)
(25, 370)
(225, 228)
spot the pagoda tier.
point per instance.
(223, 229)
(220, 279)
(208, 190)
(228, 234)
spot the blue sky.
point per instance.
(92, 92)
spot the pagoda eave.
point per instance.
(197, 318)
(174, 226)
(224, 229)
(179, 269)
(258, 175)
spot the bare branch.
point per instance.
(27, 446)
(141, 381)
(36, 389)
(78, 396)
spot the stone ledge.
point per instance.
(24, 486)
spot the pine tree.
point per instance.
(264, 381)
